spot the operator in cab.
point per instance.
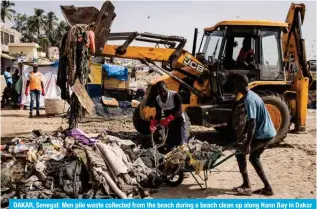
(246, 53)
(170, 103)
(259, 132)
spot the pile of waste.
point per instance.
(195, 155)
(124, 108)
(70, 164)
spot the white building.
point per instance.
(8, 35)
(27, 49)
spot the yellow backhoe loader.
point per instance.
(277, 70)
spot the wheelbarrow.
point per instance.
(175, 176)
(216, 159)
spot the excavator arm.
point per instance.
(296, 63)
(176, 62)
(293, 42)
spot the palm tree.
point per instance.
(44, 45)
(62, 28)
(37, 22)
(51, 23)
(21, 23)
(6, 10)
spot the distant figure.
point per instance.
(35, 84)
(8, 77)
(133, 73)
(16, 96)
(15, 76)
(7, 92)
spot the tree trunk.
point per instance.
(38, 34)
(46, 51)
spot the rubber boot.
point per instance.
(31, 115)
(37, 113)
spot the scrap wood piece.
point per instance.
(83, 97)
(110, 102)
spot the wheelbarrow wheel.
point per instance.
(176, 181)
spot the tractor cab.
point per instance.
(252, 48)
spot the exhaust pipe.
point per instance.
(195, 41)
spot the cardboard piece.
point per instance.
(83, 97)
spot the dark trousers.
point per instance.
(16, 98)
(257, 148)
(176, 134)
(7, 95)
(35, 95)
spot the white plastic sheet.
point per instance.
(49, 79)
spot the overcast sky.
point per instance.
(181, 17)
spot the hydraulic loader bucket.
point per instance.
(101, 20)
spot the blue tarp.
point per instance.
(115, 71)
(55, 64)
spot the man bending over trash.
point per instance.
(170, 103)
(260, 131)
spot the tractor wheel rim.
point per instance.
(275, 115)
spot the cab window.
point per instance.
(271, 57)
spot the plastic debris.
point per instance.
(72, 165)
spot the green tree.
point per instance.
(6, 10)
(45, 44)
(37, 22)
(62, 28)
(51, 25)
(21, 22)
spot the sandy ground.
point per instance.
(290, 167)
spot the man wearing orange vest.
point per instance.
(35, 84)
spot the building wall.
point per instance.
(8, 35)
(41, 54)
(29, 51)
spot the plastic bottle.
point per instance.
(21, 148)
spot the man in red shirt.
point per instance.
(246, 53)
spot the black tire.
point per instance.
(277, 101)
(177, 182)
(235, 128)
(142, 126)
